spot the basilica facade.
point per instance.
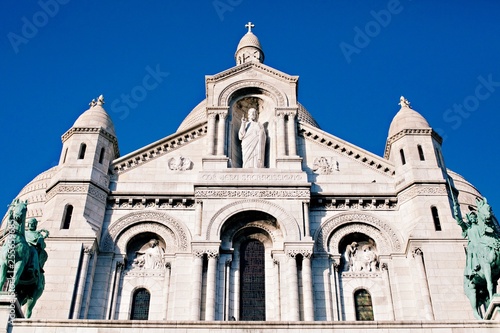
(250, 213)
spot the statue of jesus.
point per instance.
(253, 141)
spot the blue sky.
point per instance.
(354, 59)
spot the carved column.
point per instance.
(280, 295)
(166, 288)
(87, 254)
(211, 285)
(293, 288)
(418, 255)
(281, 134)
(227, 289)
(307, 286)
(236, 280)
(211, 133)
(198, 216)
(221, 133)
(292, 129)
(335, 269)
(115, 287)
(385, 269)
(305, 211)
(196, 286)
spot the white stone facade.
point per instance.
(314, 197)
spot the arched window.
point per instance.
(101, 155)
(421, 153)
(68, 213)
(402, 154)
(363, 305)
(435, 218)
(81, 153)
(252, 281)
(140, 304)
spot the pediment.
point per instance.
(251, 67)
(157, 149)
(347, 150)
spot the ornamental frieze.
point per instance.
(145, 216)
(252, 193)
(355, 203)
(366, 224)
(422, 190)
(92, 190)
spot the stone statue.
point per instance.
(403, 102)
(349, 253)
(23, 252)
(482, 266)
(150, 256)
(253, 141)
(369, 259)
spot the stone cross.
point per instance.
(249, 25)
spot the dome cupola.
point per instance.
(249, 48)
(96, 117)
(406, 118)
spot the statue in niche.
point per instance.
(349, 253)
(253, 141)
(360, 260)
(482, 264)
(150, 256)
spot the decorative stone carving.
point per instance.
(343, 224)
(422, 190)
(180, 163)
(357, 260)
(289, 225)
(325, 165)
(127, 221)
(165, 146)
(252, 193)
(253, 141)
(378, 164)
(403, 102)
(150, 256)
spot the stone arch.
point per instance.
(334, 229)
(290, 227)
(161, 223)
(227, 94)
(167, 235)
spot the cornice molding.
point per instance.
(157, 149)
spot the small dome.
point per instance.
(249, 40)
(407, 118)
(249, 48)
(94, 117)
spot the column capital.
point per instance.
(284, 111)
(417, 252)
(217, 110)
(295, 252)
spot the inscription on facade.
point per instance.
(252, 177)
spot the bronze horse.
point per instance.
(19, 259)
(483, 255)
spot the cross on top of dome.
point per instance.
(249, 25)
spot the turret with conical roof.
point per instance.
(249, 48)
(414, 147)
(89, 147)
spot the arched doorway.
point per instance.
(252, 281)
